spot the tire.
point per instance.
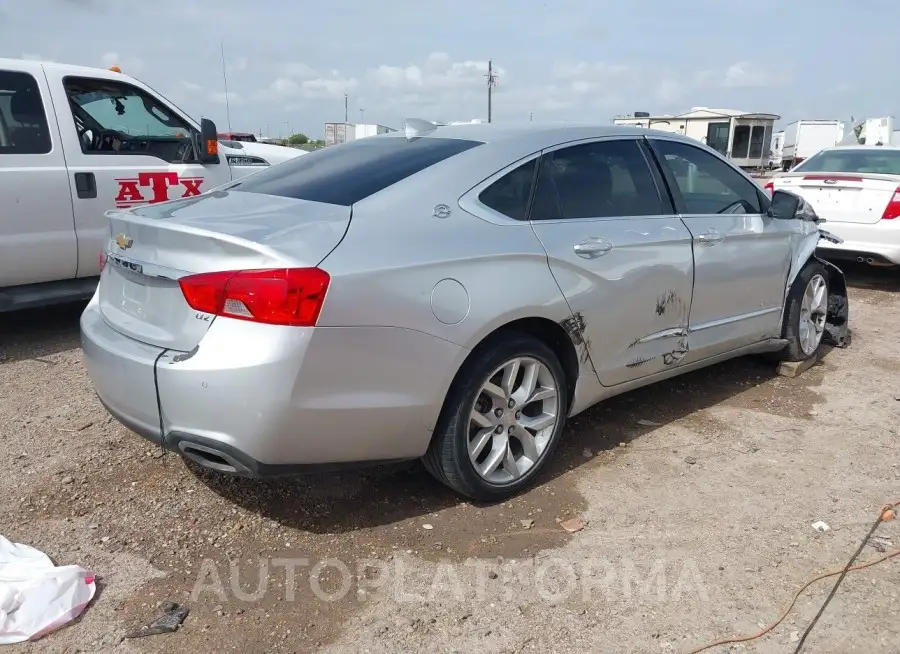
(798, 348)
(448, 456)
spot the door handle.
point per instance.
(85, 186)
(592, 248)
(710, 237)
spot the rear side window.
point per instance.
(23, 122)
(605, 179)
(509, 195)
(881, 161)
(347, 173)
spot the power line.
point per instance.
(225, 79)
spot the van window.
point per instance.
(114, 118)
(347, 173)
(23, 121)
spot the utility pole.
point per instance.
(491, 83)
(362, 116)
(530, 116)
(346, 105)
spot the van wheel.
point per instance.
(501, 420)
(806, 313)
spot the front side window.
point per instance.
(117, 118)
(596, 180)
(706, 184)
(349, 172)
(510, 194)
(23, 121)
(853, 160)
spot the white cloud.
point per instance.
(670, 91)
(298, 69)
(129, 65)
(33, 57)
(232, 98)
(299, 81)
(744, 74)
(190, 86)
(437, 73)
(590, 71)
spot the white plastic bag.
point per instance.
(37, 597)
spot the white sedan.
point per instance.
(855, 189)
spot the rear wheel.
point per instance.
(806, 313)
(501, 421)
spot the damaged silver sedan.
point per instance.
(451, 293)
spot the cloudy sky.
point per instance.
(290, 63)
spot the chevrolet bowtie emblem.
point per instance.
(124, 242)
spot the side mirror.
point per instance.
(788, 206)
(208, 148)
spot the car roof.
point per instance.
(859, 146)
(538, 135)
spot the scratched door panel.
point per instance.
(622, 260)
(634, 301)
(741, 255)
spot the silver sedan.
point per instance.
(451, 293)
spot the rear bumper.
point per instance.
(258, 400)
(879, 241)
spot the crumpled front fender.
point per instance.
(837, 322)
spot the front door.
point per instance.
(742, 256)
(619, 254)
(124, 148)
(37, 237)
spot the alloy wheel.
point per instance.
(513, 420)
(813, 314)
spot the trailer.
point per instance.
(803, 138)
(776, 151)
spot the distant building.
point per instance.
(742, 136)
(342, 132)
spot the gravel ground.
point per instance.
(696, 498)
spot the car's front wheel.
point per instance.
(501, 420)
(806, 313)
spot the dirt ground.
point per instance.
(697, 497)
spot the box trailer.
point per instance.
(803, 138)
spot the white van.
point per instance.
(75, 142)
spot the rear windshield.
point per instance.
(853, 161)
(347, 173)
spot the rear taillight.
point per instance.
(101, 260)
(892, 210)
(283, 296)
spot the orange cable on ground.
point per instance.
(887, 513)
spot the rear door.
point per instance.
(37, 234)
(619, 254)
(741, 255)
(124, 149)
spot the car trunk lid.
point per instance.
(843, 197)
(151, 248)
